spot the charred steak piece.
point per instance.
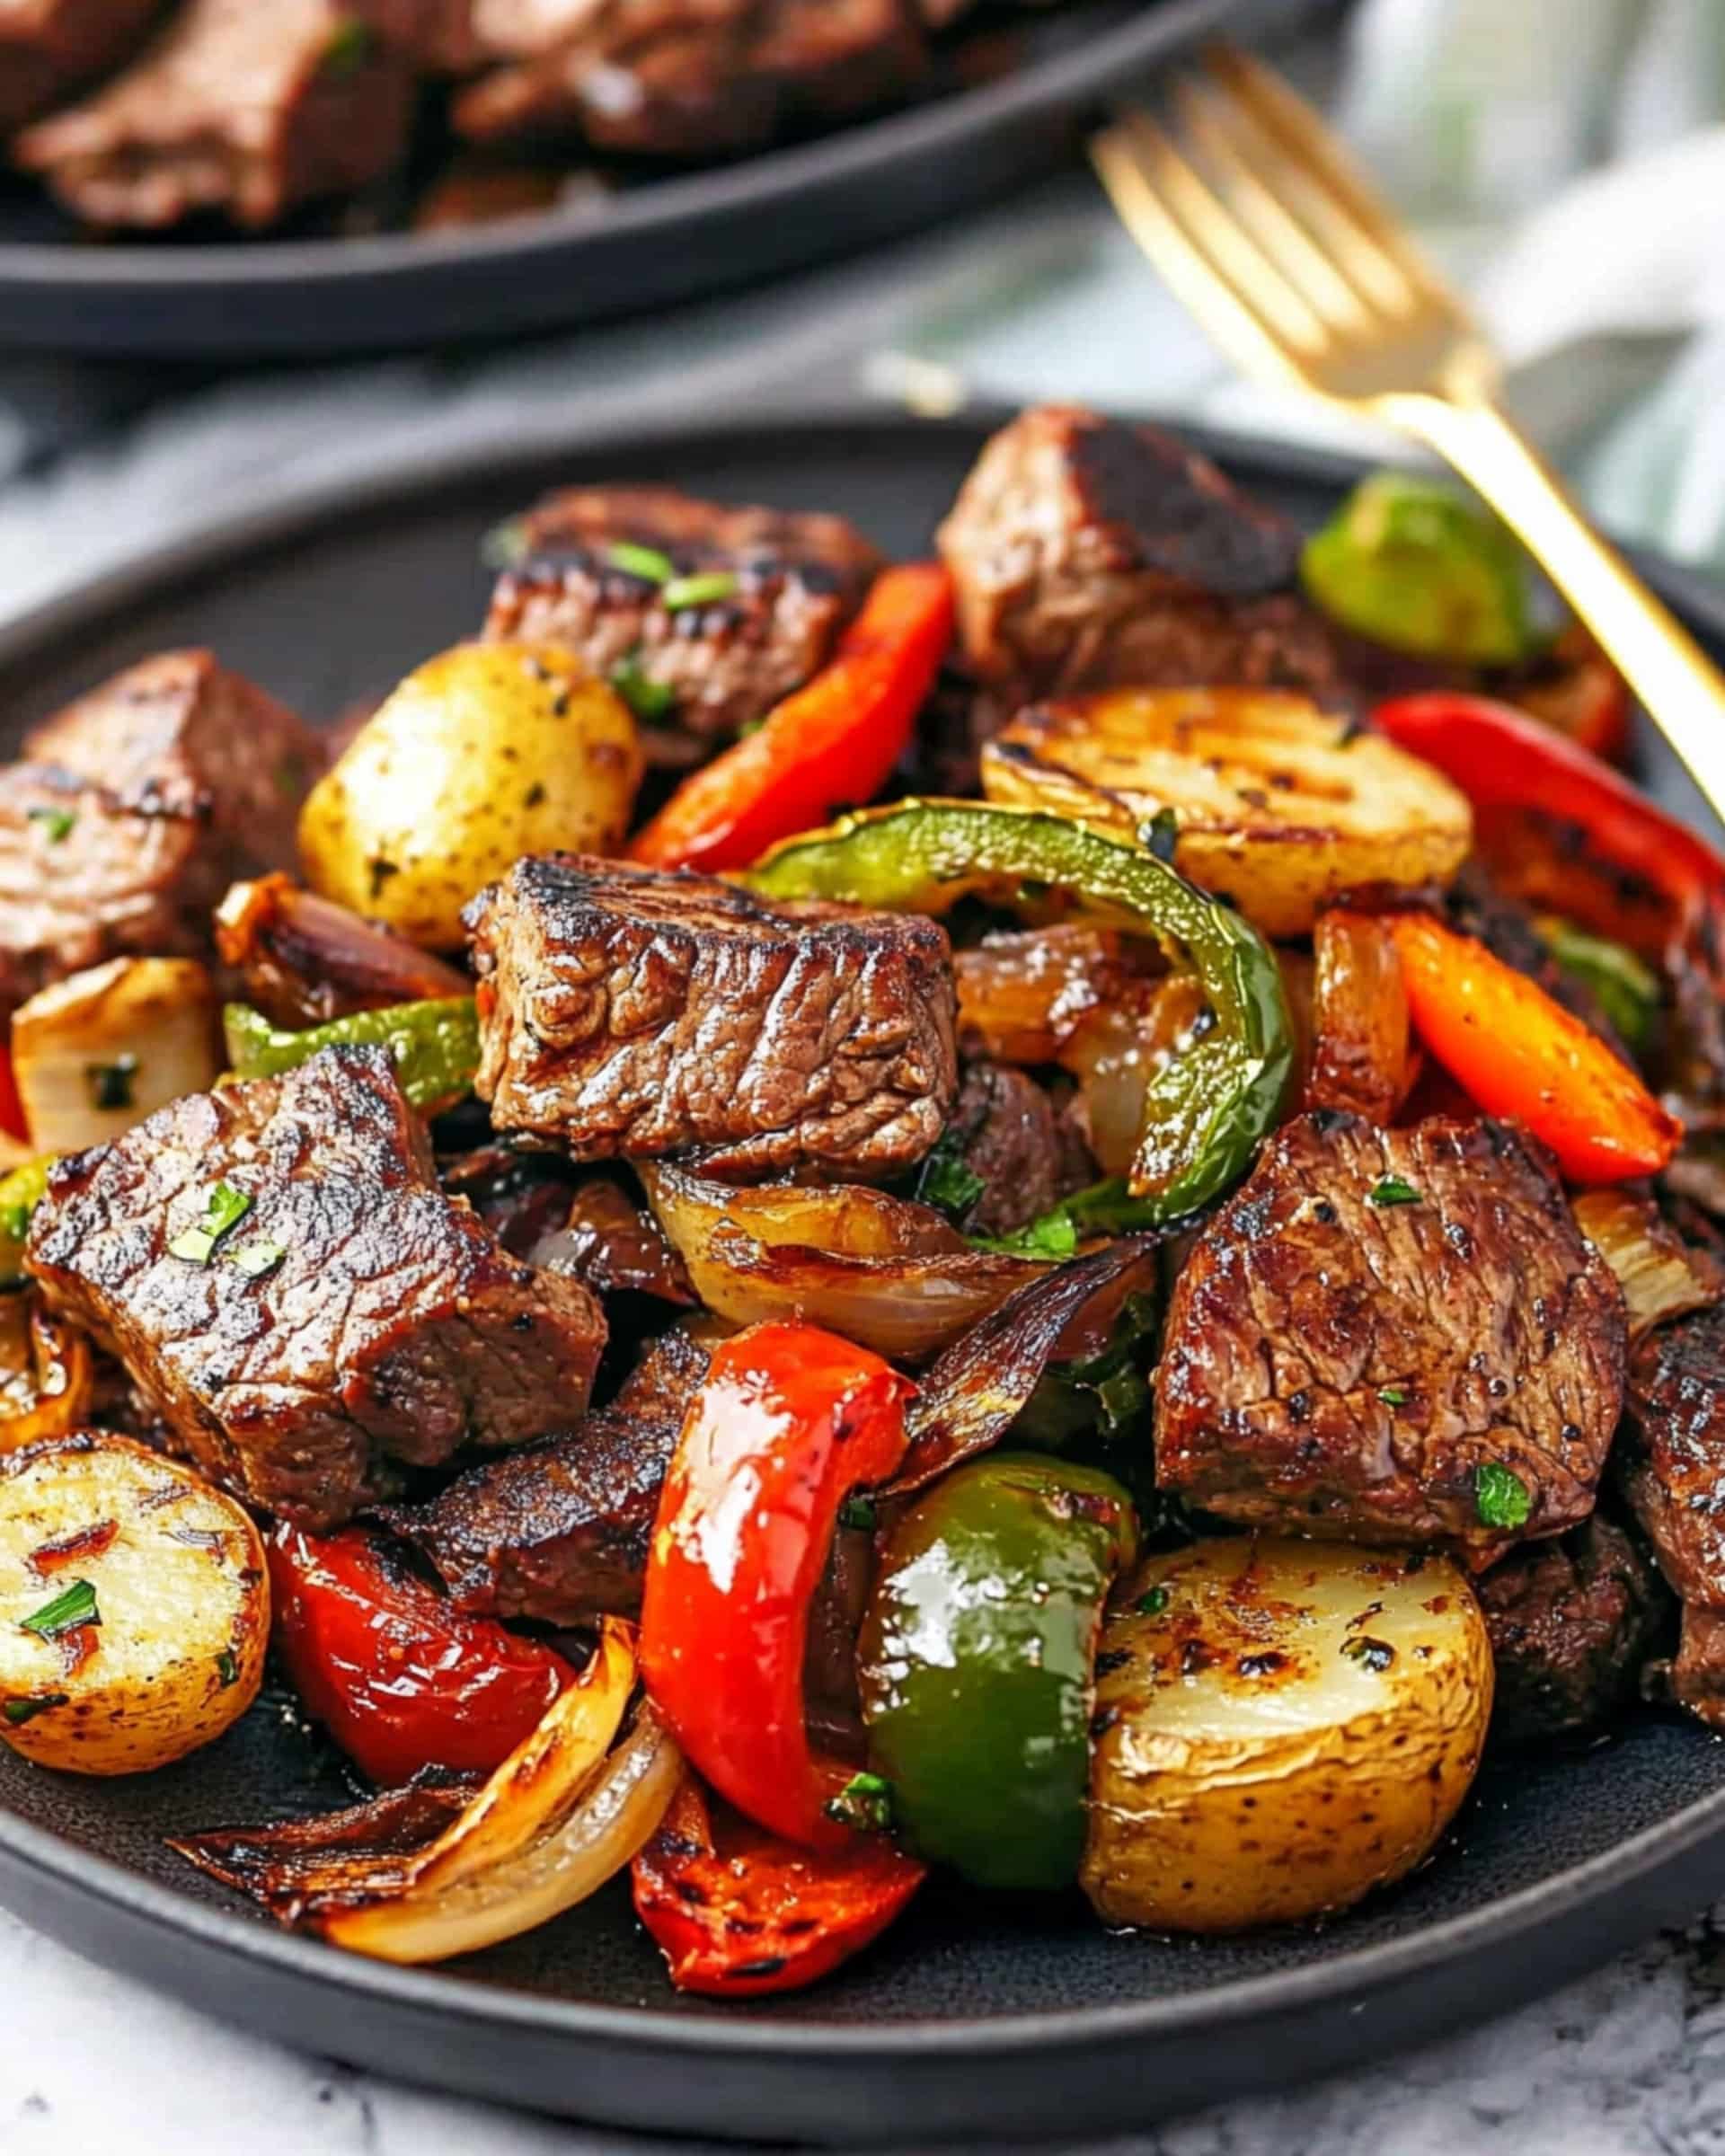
(1087, 553)
(48, 46)
(1572, 1620)
(236, 109)
(140, 803)
(626, 1011)
(800, 578)
(353, 1316)
(1007, 1133)
(560, 1533)
(1393, 1336)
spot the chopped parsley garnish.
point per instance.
(76, 1606)
(18, 1711)
(1500, 1496)
(1160, 835)
(56, 824)
(227, 1667)
(948, 1180)
(110, 1083)
(1051, 1235)
(706, 590)
(865, 1802)
(1371, 1654)
(505, 545)
(224, 1207)
(1393, 1396)
(644, 561)
(1391, 1190)
(254, 1260)
(648, 699)
(857, 1512)
(1153, 1604)
(348, 49)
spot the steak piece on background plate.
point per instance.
(800, 579)
(48, 47)
(139, 804)
(236, 109)
(1572, 1620)
(558, 1532)
(1089, 554)
(353, 1316)
(1379, 1328)
(630, 1012)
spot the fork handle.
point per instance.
(1683, 690)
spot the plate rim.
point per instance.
(744, 2032)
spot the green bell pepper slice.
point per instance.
(21, 1193)
(1205, 1111)
(977, 1658)
(1627, 991)
(435, 1045)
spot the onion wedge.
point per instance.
(47, 1373)
(1661, 1275)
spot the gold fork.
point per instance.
(1260, 221)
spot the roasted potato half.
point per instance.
(1283, 1726)
(1278, 805)
(134, 1606)
(486, 752)
(98, 1051)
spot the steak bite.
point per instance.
(798, 580)
(1393, 1336)
(1088, 553)
(1007, 1134)
(140, 803)
(560, 1533)
(236, 109)
(48, 46)
(1572, 1620)
(351, 1315)
(626, 1011)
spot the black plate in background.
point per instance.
(670, 240)
(973, 2016)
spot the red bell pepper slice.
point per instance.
(790, 1421)
(1502, 759)
(831, 745)
(737, 1912)
(399, 1678)
(1520, 1055)
(12, 1109)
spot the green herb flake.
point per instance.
(1393, 1396)
(858, 1512)
(57, 824)
(19, 1711)
(66, 1613)
(1500, 1496)
(1376, 1654)
(224, 1208)
(865, 1803)
(348, 49)
(1391, 1190)
(254, 1260)
(1052, 1236)
(948, 1181)
(685, 592)
(644, 561)
(227, 1667)
(109, 1085)
(1151, 1604)
(648, 699)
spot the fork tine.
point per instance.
(1216, 268)
(1336, 194)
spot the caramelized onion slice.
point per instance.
(1362, 1055)
(47, 1373)
(1661, 1275)
(889, 1274)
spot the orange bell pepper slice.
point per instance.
(1521, 1055)
(831, 745)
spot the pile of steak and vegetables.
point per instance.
(147, 114)
(1053, 1212)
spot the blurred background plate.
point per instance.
(650, 244)
(975, 2015)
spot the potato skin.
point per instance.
(1296, 1727)
(486, 753)
(183, 1593)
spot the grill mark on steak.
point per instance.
(801, 577)
(392, 1328)
(48, 46)
(1480, 1303)
(626, 1011)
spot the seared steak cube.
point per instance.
(236, 107)
(1393, 1336)
(626, 1011)
(1007, 1133)
(139, 805)
(1572, 1620)
(1087, 552)
(798, 580)
(352, 1316)
(48, 46)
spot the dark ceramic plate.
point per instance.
(973, 2016)
(665, 240)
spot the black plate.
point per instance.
(972, 2016)
(665, 241)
